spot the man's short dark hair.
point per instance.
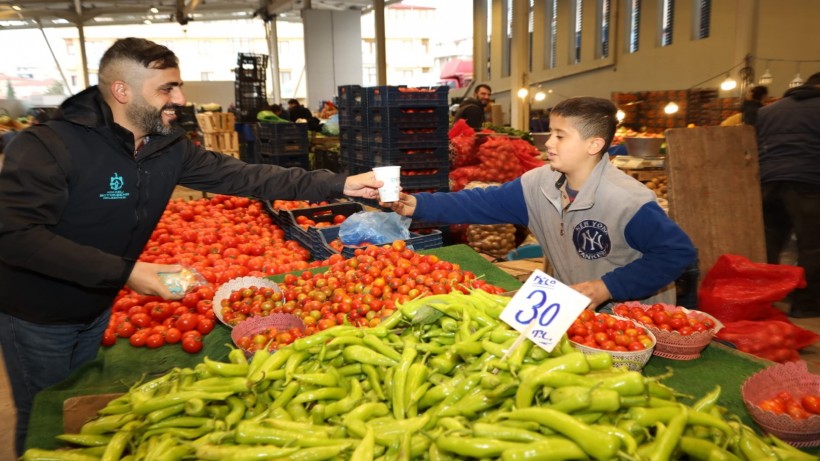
(148, 54)
(293, 102)
(593, 117)
(814, 79)
(759, 92)
(480, 86)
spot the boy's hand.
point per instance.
(595, 290)
(362, 185)
(405, 206)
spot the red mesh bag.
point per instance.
(775, 340)
(738, 289)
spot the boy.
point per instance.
(601, 230)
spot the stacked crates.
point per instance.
(396, 125)
(249, 87)
(283, 144)
(219, 132)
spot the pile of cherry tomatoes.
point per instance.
(269, 338)
(785, 402)
(603, 331)
(658, 317)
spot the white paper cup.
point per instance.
(390, 175)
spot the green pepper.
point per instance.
(316, 379)
(105, 424)
(708, 401)
(599, 446)
(115, 448)
(325, 393)
(550, 449)
(366, 449)
(510, 434)
(475, 447)
(379, 346)
(36, 454)
(226, 369)
(368, 356)
(239, 453)
(666, 442)
(704, 450)
(347, 403)
(399, 392)
(85, 440)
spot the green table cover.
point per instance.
(118, 367)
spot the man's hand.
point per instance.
(595, 290)
(144, 279)
(362, 185)
(405, 206)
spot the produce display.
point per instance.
(359, 291)
(674, 319)
(435, 380)
(659, 185)
(799, 408)
(609, 333)
(493, 239)
(221, 238)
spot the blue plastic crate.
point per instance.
(351, 96)
(394, 136)
(355, 117)
(281, 132)
(399, 96)
(325, 214)
(424, 153)
(384, 118)
(287, 161)
(416, 242)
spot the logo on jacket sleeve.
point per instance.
(115, 192)
(591, 239)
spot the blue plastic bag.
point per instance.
(374, 227)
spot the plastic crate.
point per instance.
(268, 148)
(399, 96)
(282, 131)
(356, 117)
(351, 96)
(386, 118)
(416, 242)
(252, 90)
(325, 159)
(287, 161)
(307, 237)
(417, 156)
(394, 136)
(251, 67)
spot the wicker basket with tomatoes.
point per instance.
(629, 344)
(784, 400)
(245, 297)
(681, 333)
(271, 332)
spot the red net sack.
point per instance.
(738, 289)
(775, 340)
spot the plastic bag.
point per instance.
(738, 289)
(179, 283)
(774, 340)
(330, 127)
(374, 227)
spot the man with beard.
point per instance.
(80, 196)
(472, 109)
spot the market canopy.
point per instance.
(34, 14)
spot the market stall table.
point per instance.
(119, 367)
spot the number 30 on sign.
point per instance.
(544, 309)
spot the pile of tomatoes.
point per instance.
(304, 222)
(785, 402)
(657, 316)
(363, 289)
(251, 301)
(295, 204)
(222, 238)
(270, 338)
(603, 331)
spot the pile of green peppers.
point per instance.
(434, 381)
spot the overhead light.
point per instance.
(16, 7)
(671, 108)
(523, 92)
(620, 115)
(796, 81)
(540, 96)
(766, 78)
(728, 84)
(153, 10)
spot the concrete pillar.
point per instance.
(272, 34)
(480, 49)
(519, 65)
(381, 43)
(333, 52)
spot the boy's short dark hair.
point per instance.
(595, 117)
(293, 102)
(758, 93)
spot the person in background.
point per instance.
(328, 110)
(788, 139)
(753, 103)
(297, 111)
(36, 116)
(280, 111)
(472, 109)
(601, 230)
(80, 196)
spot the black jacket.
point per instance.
(472, 111)
(76, 210)
(788, 137)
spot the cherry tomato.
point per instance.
(811, 403)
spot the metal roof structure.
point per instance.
(35, 14)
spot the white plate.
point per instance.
(224, 292)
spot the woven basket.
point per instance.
(673, 345)
(795, 378)
(633, 360)
(253, 325)
(224, 291)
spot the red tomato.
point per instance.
(173, 335)
(191, 344)
(154, 341)
(109, 337)
(811, 403)
(138, 339)
(773, 405)
(205, 325)
(796, 411)
(187, 321)
(125, 330)
(141, 320)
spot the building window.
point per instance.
(206, 76)
(578, 19)
(284, 48)
(634, 25)
(370, 76)
(603, 20)
(285, 77)
(667, 21)
(703, 15)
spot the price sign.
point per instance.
(543, 310)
